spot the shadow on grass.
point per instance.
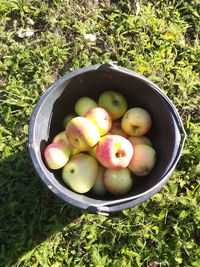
(29, 212)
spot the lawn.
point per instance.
(40, 42)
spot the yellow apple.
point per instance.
(136, 122)
(80, 173)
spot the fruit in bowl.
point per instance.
(61, 138)
(118, 182)
(99, 187)
(103, 146)
(56, 155)
(136, 121)
(82, 133)
(80, 173)
(114, 152)
(116, 129)
(101, 118)
(140, 140)
(68, 118)
(114, 102)
(143, 160)
(83, 105)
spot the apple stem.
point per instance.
(134, 128)
(119, 154)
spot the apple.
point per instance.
(101, 118)
(136, 121)
(56, 155)
(68, 118)
(118, 182)
(140, 140)
(114, 151)
(143, 160)
(99, 188)
(114, 102)
(82, 133)
(83, 105)
(93, 152)
(116, 129)
(62, 139)
(80, 173)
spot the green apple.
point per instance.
(143, 160)
(93, 152)
(114, 102)
(118, 182)
(136, 122)
(82, 133)
(56, 155)
(80, 173)
(83, 105)
(99, 188)
(101, 118)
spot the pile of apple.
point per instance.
(102, 145)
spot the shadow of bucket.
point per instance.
(167, 132)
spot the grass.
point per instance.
(41, 41)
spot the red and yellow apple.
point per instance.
(62, 139)
(143, 160)
(140, 140)
(82, 133)
(136, 122)
(83, 105)
(101, 118)
(114, 151)
(80, 173)
(114, 102)
(118, 182)
(56, 155)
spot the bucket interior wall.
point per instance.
(139, 93)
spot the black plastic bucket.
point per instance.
(167, 133)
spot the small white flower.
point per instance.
(90, 37)
(30, 21)
(25, 32)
